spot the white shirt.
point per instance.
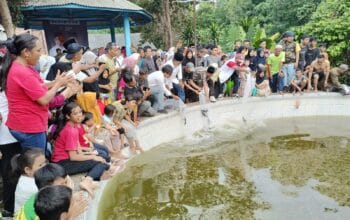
(45, 63)
(53, 52)
(5, 135)
(25, 189)
(157, 79)
(175, 76)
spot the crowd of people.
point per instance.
(76, 112)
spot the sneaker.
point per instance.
(212, 99)
(6, 214)
(163, 111)
(221, 96)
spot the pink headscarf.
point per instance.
(131, 61)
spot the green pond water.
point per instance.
(277, 169)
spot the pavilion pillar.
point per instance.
(112, 30)
(127, 35)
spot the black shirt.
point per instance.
(311, 54)
(103, 81)
(134, 91)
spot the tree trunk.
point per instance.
(167, 24)
(6, 18)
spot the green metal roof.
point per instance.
(97, 13)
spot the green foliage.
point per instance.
(280, 15)
(331, 25)
(15, 10)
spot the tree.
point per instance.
(11, 15)
(169, 18)
(281, 15)
(6, 18)
(330, 24)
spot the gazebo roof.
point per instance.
(97, 13)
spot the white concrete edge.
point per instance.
(165, 128)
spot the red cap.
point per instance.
(231, 64)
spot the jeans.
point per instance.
(30, 140)
(158, 97)
(102, 151)
(277, 83)
(9, 185)
(179, 91)
(289, 73)
(93, 168)
(145, 109)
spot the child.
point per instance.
(97, 137)
(55, 175)
(105, 86)
(87, 146)
(24, 166)
(66, 144)
(299, 82)
(53, 203)
(245, 79)
(121, 85)
(130, 125)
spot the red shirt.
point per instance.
(101, 106)
(82, 140)
(67, 140)
(24, 88)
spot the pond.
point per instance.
(296, 168)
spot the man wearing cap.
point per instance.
(191, 89)
(274, 69)
(175, 83)
(112, 51)
(291, 50)
(74, 54)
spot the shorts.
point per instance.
(320, 75)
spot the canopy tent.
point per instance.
(85, 14)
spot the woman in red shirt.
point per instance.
(28, 96)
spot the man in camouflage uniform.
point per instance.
(291, 50)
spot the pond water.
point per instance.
(277, 169)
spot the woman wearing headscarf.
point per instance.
(261, 82)
(260, 57)
(131, 62)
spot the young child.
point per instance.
(54, 175)
(65, 153)
(129, 124)
(121, 85)
(105, 86)
(98, 136)
(24, 166)
(299, 82)
(87, 146)
(54, 203)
